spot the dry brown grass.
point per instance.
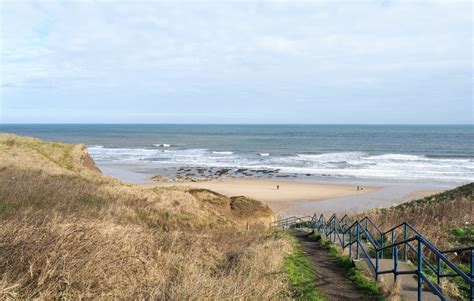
(434, 216)
(75, 259)
(450, 288)
(392, 290)
(33, 176)
(70, 232)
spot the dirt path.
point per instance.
(331, 277)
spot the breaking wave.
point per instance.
(341, 164)
(223, 153)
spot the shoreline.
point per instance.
(290, 194)
(297, 196)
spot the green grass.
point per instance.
(93, 201)
(462, 286)
(301, 275)
(6, 207)
(463, 236)
(66, 159)
(363, 283)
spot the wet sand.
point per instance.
(291, 193)
(296, 196)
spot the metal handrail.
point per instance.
(340, 228)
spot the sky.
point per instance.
(327, 61)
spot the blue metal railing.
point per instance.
(364, 233)
(290, 221)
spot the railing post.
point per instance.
(438, 271)
(395, 265)
(325, 226)
(366, 229)
(393, 242)
(343, 241)
(334, 230)
(376, 264)
(420, 269)
(328, 229)
(394, 257)
(330, 232)
(322, 225)
(382, 242)
(405, 237)
(350, 243)
(358, 240)
(471, 291)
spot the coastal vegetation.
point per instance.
(446, 218)
(70, 232)
(371, 288)
(301, 275)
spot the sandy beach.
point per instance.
(290, 194)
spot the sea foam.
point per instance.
(222, 153)
(336, 164)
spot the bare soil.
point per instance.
(331, 278)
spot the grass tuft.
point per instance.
(93, 201)
(6, 207)
(368, 286)
(301, 275)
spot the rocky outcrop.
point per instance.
(240, 209)
(86, 161)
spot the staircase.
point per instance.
(390, 253)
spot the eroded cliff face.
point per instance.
(86, 160)
(47, 176)
(243, 210)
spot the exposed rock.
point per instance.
(159, 178)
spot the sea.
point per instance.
(435, 154)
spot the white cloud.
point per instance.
(311, 48)
(282, 45)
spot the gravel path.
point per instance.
(331, 277)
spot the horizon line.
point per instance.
(118, 123)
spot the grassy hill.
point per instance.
(68, 231)
(446, 219)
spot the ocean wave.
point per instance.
(223, 153)
(338, 164)
(343, 156)
(101, 153)
(397, 157)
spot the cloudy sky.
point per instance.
(236, 62)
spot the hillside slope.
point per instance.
(446, 219)
(70, 232)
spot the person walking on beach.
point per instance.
(278, 187)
